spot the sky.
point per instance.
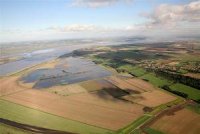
(22, 20)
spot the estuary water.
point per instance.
(30, 59)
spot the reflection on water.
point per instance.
(68, 71)
(30, 60)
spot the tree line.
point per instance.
(187, 80)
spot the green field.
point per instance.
(155, 80)
(190, 91)
(137, 71)
(4, 129)
(33, 117)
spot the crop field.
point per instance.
(103, 99)
(70, 109)
(187, 120)
(34, 117)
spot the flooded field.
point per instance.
(67, 71)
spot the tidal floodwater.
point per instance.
(30, 59)
(33, 53)
(69, 70)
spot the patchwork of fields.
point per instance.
(97, 103)
(90, 102)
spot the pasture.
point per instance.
(155, 80)
(134, 70)
(190, 91)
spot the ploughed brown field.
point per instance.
(143, 93)
(154, 98)
(183, 121)
(123, 84)
(141, 84)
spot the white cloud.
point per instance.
(75, 28)
(96, 3)
(172, 14)
(172, 20)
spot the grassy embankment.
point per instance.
(5, 129)
(25, 115)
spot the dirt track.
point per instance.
(32, 129)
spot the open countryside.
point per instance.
(124, 73)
